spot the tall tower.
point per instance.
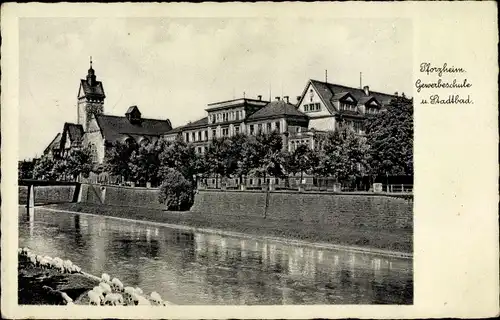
(90, 98)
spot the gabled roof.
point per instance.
(74, 130)
(278, 108)
(55, 144)
(328, 92)
(96, 90)
(132, 109)
(115, 128)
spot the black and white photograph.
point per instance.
(215, 161)
(199, 160)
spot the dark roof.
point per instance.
(329, 92)
(131, 109)
(277, 109)
(114, 128)
(196, 124)
(54, 144)
(96, 90)
(75, 131)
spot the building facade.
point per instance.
(319, 110)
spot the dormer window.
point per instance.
(133, 115)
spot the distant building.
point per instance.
(320, 109)
(99, 131)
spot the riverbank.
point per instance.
(378, 238)
(38, 286)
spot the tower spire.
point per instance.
(90, 62)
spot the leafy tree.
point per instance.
(180, 156)
(176, 192)
(78, 161)
(44, 169)
(25, 169)
(303, 160)
(118, 157)
(390, 136)
(144, 163)
(218, 158)
(344, 155)
(270, 157)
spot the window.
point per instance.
(225, 132)
(251, 129)
(193, 136)
(318, 106)
(199, 135)
(236, 130)
(187, 136)
(277, 125)
(237, 115)
(214, 134)
(251, 181)
(269, 127)
(259, 127)
(199, 149)
(206, 135)
(306, 107)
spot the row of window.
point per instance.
(347, 107)
(255, 129)
(312, 107)
(226, 116)
(196, 136)
(372, 110)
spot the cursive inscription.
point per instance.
(442, 83)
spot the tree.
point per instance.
(176, 192)
(304, 160)
(269, 155)
(145, 163)
(25, 169)
(118, 158)
(78, 161)
(344, 155)
(390, 136)
(180, 156)
(218, 158)
(44, 169)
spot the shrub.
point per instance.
(176, 192)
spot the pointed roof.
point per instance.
(54, 144)
(96, 90)
(277, 108)
(132, 109)
(75, 132)
(330, 92)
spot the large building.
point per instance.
(320, 109)
(98, 130)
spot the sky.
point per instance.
(173, 67)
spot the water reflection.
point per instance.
(198, 268)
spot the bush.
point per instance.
(176, 192)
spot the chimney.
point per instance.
(396, 93)
(286, 98)
(278, 98)
(298, 98)
(366, 89)
(260, 97)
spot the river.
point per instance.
(201, 268)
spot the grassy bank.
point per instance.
(395, 239)
(43, 286)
